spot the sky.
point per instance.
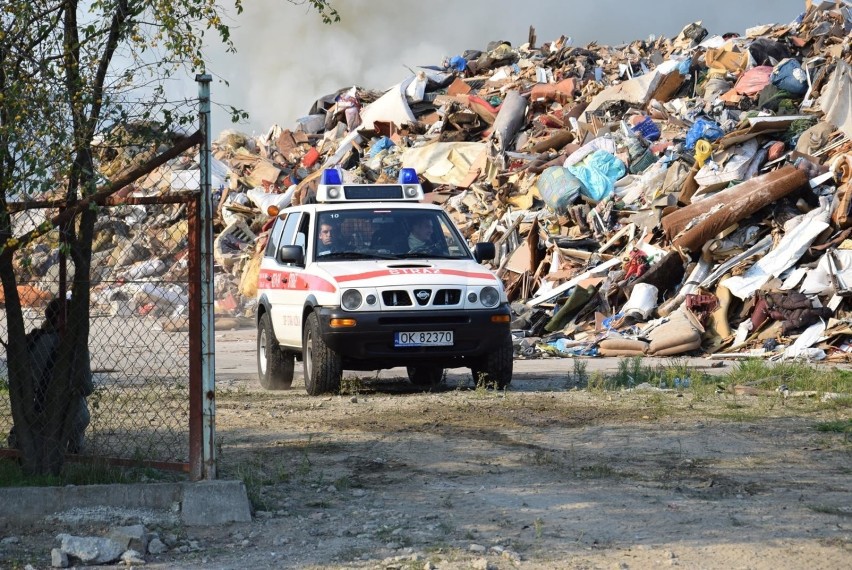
(287, 58)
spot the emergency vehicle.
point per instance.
(368, 278)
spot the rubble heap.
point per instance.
(670, 196)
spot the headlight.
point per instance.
(489, 296)
(351, 299)
(471, 297)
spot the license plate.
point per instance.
(423, 338)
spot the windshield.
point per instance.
(387, 233)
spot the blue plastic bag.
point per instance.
(558, 188)
(457, 63)
(380, 145)
(703, 129)
(648, 129)
(598, 172)
(789, 76)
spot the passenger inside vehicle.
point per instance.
(390, 238)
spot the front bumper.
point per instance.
(369, 344)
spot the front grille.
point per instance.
(447, 297)
(396, 298)
(422, 296)
(425, 320)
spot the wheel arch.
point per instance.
(310, 306)
(262, 308)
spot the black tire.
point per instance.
(425, 376)
(323, 370)
(274, 365)
(495, 369)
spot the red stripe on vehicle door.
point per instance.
(277, 279)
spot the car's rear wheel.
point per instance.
(494, 370)
(426, 376)
(323, 370)
(274, 365)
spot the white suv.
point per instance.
(370, 278)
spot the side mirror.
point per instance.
(291, 255)
(484, 251)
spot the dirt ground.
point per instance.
(542, 476)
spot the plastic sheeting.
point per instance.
(598, 173)
(788, 251)
(558, 187)
(818, 281)
(836, 99)
(392, 107)
(443, 163)
(703, 129)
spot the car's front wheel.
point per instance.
(274, 365)
(495, 368)
(323, 370)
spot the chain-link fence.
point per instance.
(144, 273)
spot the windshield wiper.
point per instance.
(335, 255)
(425, 255)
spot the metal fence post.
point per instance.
(208, 363)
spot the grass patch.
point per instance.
(261, 470)
(841, 402)
(632, 371)
(796, 376)
(94, 473)
(351, 385)
(657, 404)
(738, 413)
(837, 426)
(580, 375)
(4, 385)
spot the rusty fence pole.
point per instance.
(196, 393)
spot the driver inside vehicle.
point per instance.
(421, 238)
(326, 238)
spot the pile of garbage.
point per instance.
(670, 196)
(690, 195)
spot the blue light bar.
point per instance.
(331, 177)
(408, 176)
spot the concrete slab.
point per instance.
(202, 503)
(215, 502)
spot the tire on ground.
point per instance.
(274, 365)
(323, 370)
(495, 368)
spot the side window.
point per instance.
(302, 234)
(285, 235)
(274, 238)
(290, 229)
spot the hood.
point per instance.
(390, 273)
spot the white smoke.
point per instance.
(287, 58)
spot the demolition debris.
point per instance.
(664, 197)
